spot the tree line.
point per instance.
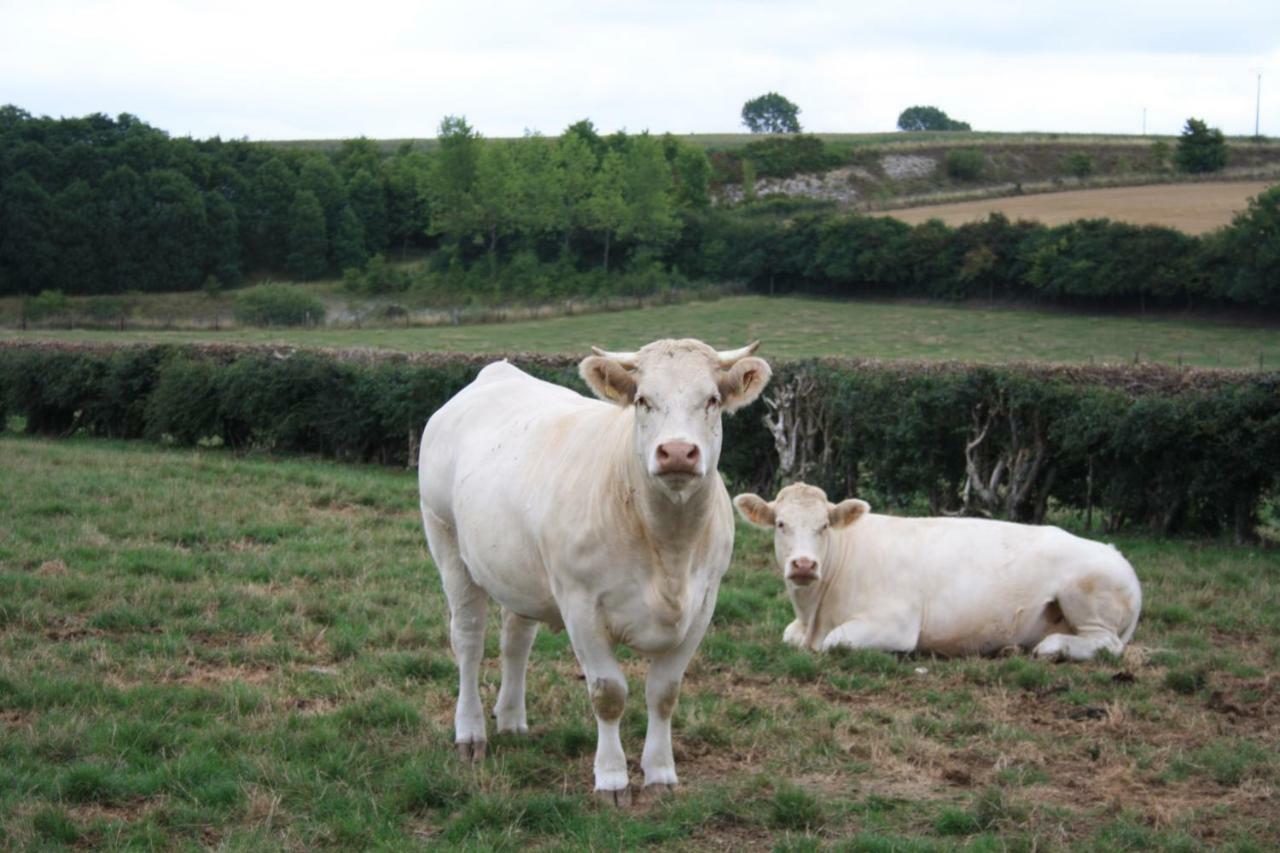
(97, 205)
(781, 245)
(100, 205)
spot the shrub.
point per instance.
(106, 308)
(49, 304)
(1171, 450)
(1200, 148)
(278, 305)
(784, 156)
(966, 164)
(1078, 164)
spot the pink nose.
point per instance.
(678, 457)
(803, 570)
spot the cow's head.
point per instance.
(678, 389)
(802, 519)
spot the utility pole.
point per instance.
(1257, 108)
(1144, 121)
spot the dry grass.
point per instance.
(1195, 208)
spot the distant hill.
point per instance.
(882, 171)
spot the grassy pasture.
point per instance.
(797, 327)
(251, 653)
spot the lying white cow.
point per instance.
(946, 585)
(607, 518)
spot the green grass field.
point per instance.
(795, 327)
(200, 650)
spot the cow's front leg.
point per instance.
(661, 691)
(889, 634)
(607, 688)
(795, 634)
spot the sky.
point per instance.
(393, 69)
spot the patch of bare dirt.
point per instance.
(206, 674)
(53, 569)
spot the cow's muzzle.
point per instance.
(678, 457)
(802, 571)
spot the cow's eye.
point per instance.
(824, 528)
(643, 403)
(782, 526)
(712, 402)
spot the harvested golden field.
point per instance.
(1193, 208)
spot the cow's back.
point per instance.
(508, 463)
(977, 584)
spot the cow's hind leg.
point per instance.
(1098, 608)
(517, 639)
(467, 606)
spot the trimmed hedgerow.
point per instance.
(1174, 450)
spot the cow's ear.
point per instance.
(742, 383)
(847, 512)
(608, 379)
(755, 510)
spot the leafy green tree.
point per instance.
(537, 189)
(272, 189)
(606, 206)
(771, 113)
(308, 246)
(586, 131)
(27, 248)
(1200, 148)
(223, 258)
(356, 154)
(75, 232)
(319, 176)
(1250, 249)
(575, 166)
(495, 188)
(692, 178)
(928, 118)
(123, 250)
(452, 179)
(647, 190)
(369, 201)
(408, 210)
(348, 247)
(176, 231)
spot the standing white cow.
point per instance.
(606, 518)
(946, 585)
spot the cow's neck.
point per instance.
(673, 531)
(811, 602)
(807, 601)
(673, 523)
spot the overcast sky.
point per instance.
(381, 68)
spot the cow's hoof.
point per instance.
(513, 730)
(471, 751)
(658, 790)
(620, 798)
